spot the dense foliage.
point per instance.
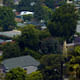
(21, 74)
(35, 76)
(29, 38)
(9, 3)
(29, 7)
(11, 50)
(16, 74)
(53, 3)
(63, 23)
(6, 19)
(43, 45)
(51, 66)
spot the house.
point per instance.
(21, 24)
(73, 1)
(1, 2)
(69, 1)
(26, 62)
(78, 27)
(77, 4)
(77, 1)
(26, 13)
(16, 2)
(19, 18)
(10, 33)
(1, 41)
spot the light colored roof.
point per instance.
(78, 22)
(11, 33)
(70, 44)
(20, 24)
(23, 61)
(1, 41)
(26, 13)
(78, 29)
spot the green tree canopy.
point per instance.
(35, 76)
(42, 12)
(51, 45)
(77, 51)
(38, 11)
(11, 50)
(63, 23)
(51, 66)
(16, 74)
(28, 17)
(29, 37)
(47, 13)
(29, 7)
(53, 3)
(8, 2)
(32, 53)
(7, 21)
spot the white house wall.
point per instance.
(31, 69)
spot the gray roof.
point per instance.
(23, 61)
(1, 41)
(78, 29)
(21, 24)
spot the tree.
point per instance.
(47, 13)
(35, 76)
(53, 3)
(6, 19)
(72, 67)
(11, 50)
(78, 74)
(29, 38)
(28, 17)
(8, 2)
(44, 34)
(32, 53)
(16, 74)
(51, 66)
(51, 45)
(63, 22)
(77, 51)
(42, 12)
(38, 11)
(29, 7)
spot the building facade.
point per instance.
(1, 2)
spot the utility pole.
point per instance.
(61, 70)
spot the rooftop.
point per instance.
(11, 33)
(23, 61)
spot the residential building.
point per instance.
(10, 33)
(69, 1)
(1, 41)
(1, 2)
(19, 18)
(26, 13)
(26, 62)
(78, 27)
(16, 2)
